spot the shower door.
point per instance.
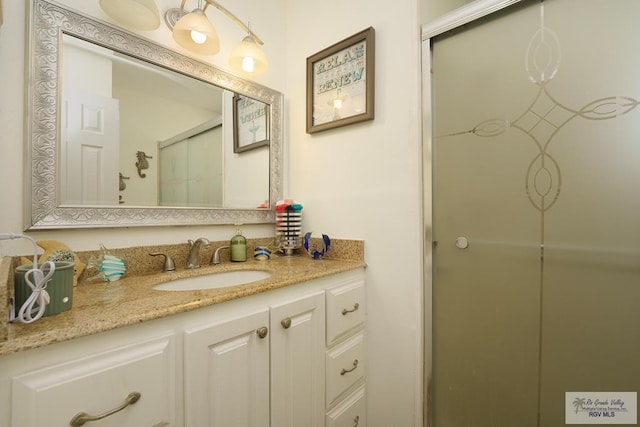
(536, 217)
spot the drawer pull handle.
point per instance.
(82, 417)
(286, 322)
(355, 365)
(356, 306)
(356, 421)
(262, 332)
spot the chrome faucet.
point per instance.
(215, 259)
(193, 260)
(169, 264)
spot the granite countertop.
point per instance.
(99, 307)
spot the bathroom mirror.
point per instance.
(68, 53)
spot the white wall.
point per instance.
(145, 119)
(363, 181)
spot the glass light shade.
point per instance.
(248, 54)
(196, 22)
(137, 14)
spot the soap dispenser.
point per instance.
(238, 251)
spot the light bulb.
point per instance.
(248, 64)
(196, 33)
(337, 103)
(198, 37)
(247, 57)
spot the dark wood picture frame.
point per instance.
(341, 82)
(250, 123)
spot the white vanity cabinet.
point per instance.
(265, 360)
(135, 383)
(345, 355)
(297, 362)
(350, 412)
(260, 366)
(226, 374)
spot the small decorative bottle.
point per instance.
(238, 250)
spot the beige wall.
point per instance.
(363, 181)
(433, 9)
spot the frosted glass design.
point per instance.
(536, 153)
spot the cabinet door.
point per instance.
(227, 373)
(101, 383)
(297, 362)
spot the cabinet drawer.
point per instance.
(345, 309)
(350, 412)
(98, 384)
(345, 367)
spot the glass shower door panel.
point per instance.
(591, 315)
(590, 326)
(486, 296)
(486, 348)
(536, 164)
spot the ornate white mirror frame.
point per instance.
(48, 22)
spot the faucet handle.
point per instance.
(169, 264)
(215, 258)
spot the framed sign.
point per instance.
(340, 83)
(250, 123)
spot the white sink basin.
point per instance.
(214, 280)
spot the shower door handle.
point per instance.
(462, 242)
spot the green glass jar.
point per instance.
(238, 250)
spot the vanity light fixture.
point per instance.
(248, 57)
(193, 31)
(136, 14)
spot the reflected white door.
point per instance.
(89, 150)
